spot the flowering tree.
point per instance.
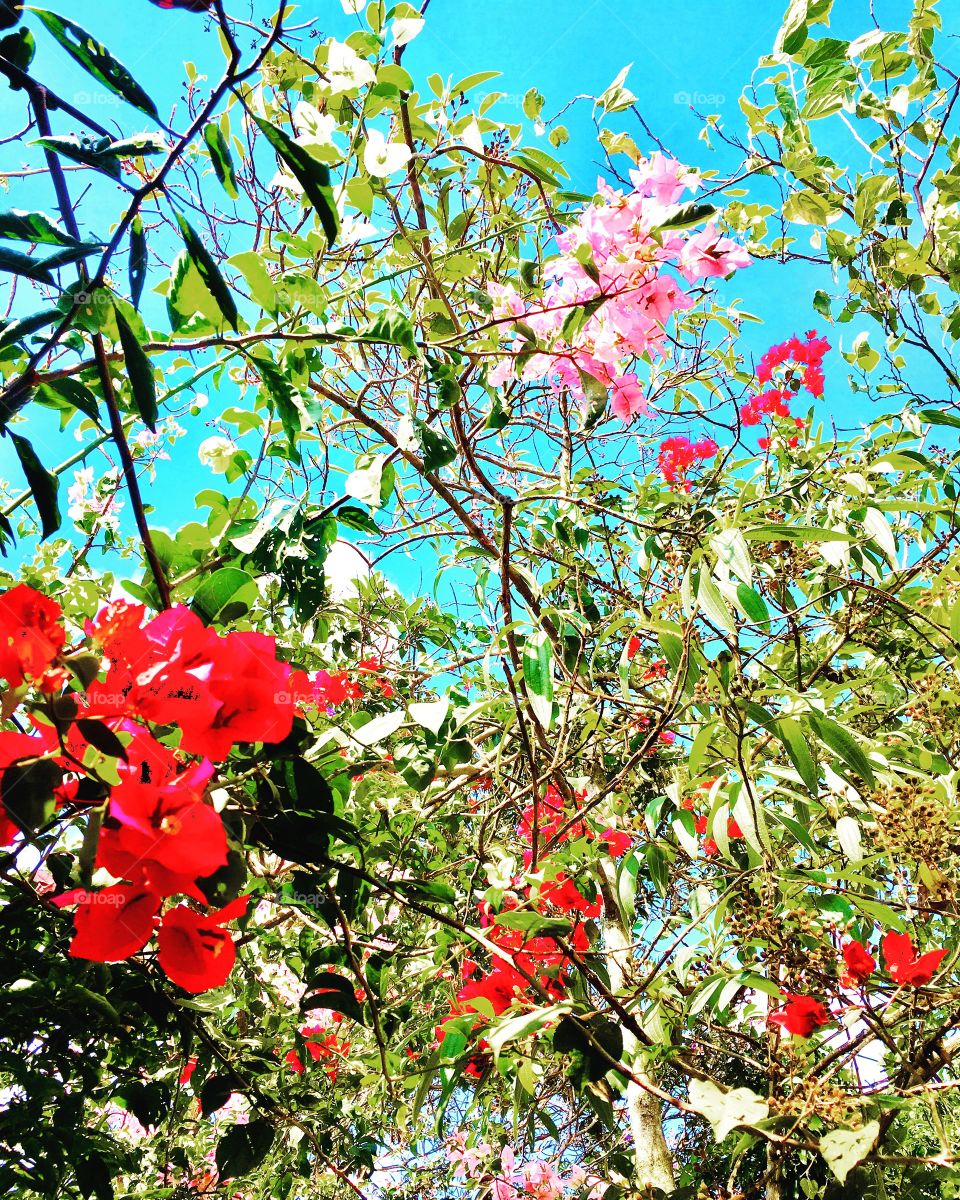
(622, 859)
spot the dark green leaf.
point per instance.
(221, 158)
(14, 331)
(215, 1092)
(91, 154)
(209, 272)
(689, 215)
(95, 1177)
(244, 1147)
(69, 392)
(19, 225)
(140, 373)
(312, 176)
(102, 738)
(17, 48)
(357, 518)
(438, 450)
(10, 13)
(97, 60)
(42, 483)
(843, 743)
(27, 792)
(335, 993)
(23, 264)
(138, 261)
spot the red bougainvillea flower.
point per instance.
(679, 454)
(564, 894)
(617, 841)
(195, 951)
(169, 824)
(321, 1044)
(188, 1069)
(903, 963)
(801, 1015)
(331, 689)
(113, 923)
(31, 635)
(859, 962)
(498, 989)
(174, 670)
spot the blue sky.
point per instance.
(684, 52)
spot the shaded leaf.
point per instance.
(312, 176)
(139, 371)
(42, 483)
(97, 60)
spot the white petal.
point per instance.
(405, 29)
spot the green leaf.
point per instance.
(91, 154)
(753, 605)
(139, 371)
(27, 792)
(596, 395)
(842, 743)
(538, 676)
(97, 60)
(209, 272)
(225, 595)
(842, 1149)
(19, 225)
(312, 176)
(252, 267)
(138, 261)
(689, 215)
(333, 992)
(14, 331)
(513, 1029)
(243, 1148)
(936, 416)
(793, 31)
(26, 266)
(221, 158)
(214, 1094)
(59, 393)
(42, 483)
(795, 743)
(438, 450)
(713, 605)
(725, 1110)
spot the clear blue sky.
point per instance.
(683, 51)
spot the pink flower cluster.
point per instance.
(679, 454)
(790, 365)
(612, 266)
(535, 1179)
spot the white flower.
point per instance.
(472, 138)
(316, 128)
(346, 70)
(381, 157)
(216, 452)
(200, 400)
(405, 29)
(352, 229)
(283, 180)
(352, 6)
